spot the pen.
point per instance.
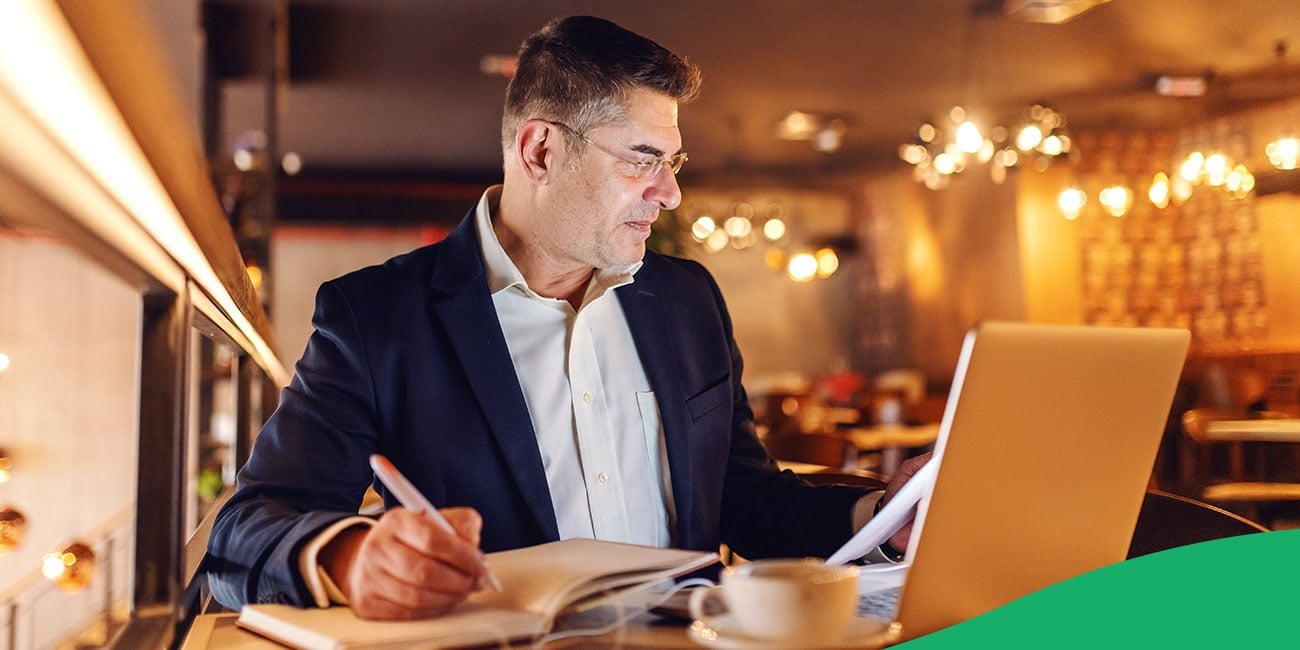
(411, 499)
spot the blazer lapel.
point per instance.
(467, 313)
(651, 330)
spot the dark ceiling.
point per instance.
(396, 84)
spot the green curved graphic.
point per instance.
(1229, 593)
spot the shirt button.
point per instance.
(603, 478)
(586, 397)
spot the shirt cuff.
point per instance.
(322, 588)
(863, 511)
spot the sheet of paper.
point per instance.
(897, 512)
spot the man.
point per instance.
(537, 375)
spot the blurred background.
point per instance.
(867, 181)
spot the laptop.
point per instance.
(1044, 452)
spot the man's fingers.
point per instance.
(405, 565)
(466, 521)
(904, 473)
(427, 538)
(397, 604)
(410, 567)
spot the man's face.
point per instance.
(600, 213)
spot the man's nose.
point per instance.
(664, 190)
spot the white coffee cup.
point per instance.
(801, 601)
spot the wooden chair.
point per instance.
(1169, 521)
(813, 448)
(1240, 489)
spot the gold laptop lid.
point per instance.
(1045, 452)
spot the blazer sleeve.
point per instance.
(307, 470)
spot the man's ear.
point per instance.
(535, 144)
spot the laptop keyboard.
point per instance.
(882, 604)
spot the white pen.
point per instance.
(413, 500)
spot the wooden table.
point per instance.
(219, 632)
(891, 441)
(1261, 430)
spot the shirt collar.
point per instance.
(501, 271)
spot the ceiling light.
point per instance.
(1071, 202)
(1170, 86)
(1159, 191)
(499, 65)
(1283, 153)
(802, 267)
(1053, 12)
(824, 132)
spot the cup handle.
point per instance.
(700, 598)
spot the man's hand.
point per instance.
(406, 566)
(905, 471)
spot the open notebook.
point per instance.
(539, 583)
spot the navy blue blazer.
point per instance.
(408, 359)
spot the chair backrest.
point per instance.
(1168, 521)
(813, 448)
(856, 478)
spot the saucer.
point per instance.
(863, 632)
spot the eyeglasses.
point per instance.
(640, 168)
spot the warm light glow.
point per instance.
(52, 565)
(70, 568)
(13, 527)
(1028, 138)
(1240, 181)
(243, 159)
(998, 173)
(1009, 157)
(986, 151)
(1181, 188)
(913, 154)
(802, 267)
(927, 133)
(4, 362)
(827, 262)
(773, 229)
(957, 114)
(716, 241)
(1159, 192)
(797, 125)
(60, 90)
(1117, 200)
(254, 275)
(6, 466)
(1192, 167)
(1052, 145)
(291, 163)
(744, 241)
(774, 258)
(1071, 202)
(703, 227)
(737, 226)
(969, 139)
(1216, 169)
(1283, 153)
(945, 163)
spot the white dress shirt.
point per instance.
(591, 405)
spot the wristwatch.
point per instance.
(885, 549)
